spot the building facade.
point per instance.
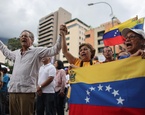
(48, 29)
(75, 37)
(94, 36)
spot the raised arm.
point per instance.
(6, 52)
(68, 55)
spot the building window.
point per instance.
(73, 25)
(87, 36)
(65, 61)
(67, 38)
(67, 44)
(100, 42)
(101, 33)
(100, 50)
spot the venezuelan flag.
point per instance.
(139, 24)
(127, 24)
(112, 38)
(113, 88)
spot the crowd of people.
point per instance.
(38, 85)
(4, 80)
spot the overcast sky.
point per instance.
(17, 15)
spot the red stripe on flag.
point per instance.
(79, 109)
(113, 41)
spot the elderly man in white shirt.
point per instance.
(22, 86)
(45, 89)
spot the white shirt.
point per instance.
(67, 80)
(45, 72)
(26, 66)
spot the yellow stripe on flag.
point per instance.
(132, 67)
(127, 24)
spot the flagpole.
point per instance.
(114, 45)
(90, 4)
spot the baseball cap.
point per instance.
(137, 31)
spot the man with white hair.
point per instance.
(22, 85)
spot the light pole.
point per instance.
(103, 3)
(113, 17)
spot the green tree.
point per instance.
(14, 43)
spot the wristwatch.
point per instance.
(40, 86)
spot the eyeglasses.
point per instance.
(131, 37)
(107, 51)
(24, 36)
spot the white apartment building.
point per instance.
(75, 37)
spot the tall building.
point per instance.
(75, 37)
(48, 30)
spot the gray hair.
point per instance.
(31, 35)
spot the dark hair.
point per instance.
(95, 57)
(0, 67)
(31, 35)
(60, 64)
(4, 70)
(90, 47)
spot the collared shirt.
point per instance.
(45, 72)
(26, 66)
(60, 80)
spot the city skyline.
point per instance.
(20, 15)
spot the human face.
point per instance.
(25, 40)
(45, 60)
(107, 53)
(85, 53)
(133, 42)
(55, 64)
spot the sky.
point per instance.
(18, 15)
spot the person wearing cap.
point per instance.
(27, 60)
(134, 41)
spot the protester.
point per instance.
(67, 85)
(134, 41)
(60, 80)
(86, 53)
(108, 54)
(1, 77)
(4, 92)
(45, 89)
(22, 86)
(122, 55)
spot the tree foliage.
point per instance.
(14, 44)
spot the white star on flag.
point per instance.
(116, 32)
(108, 88)
(120, 100)
(92, 88)
(100, 87)
(87, 100)
(88, 93)
(115, 92)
